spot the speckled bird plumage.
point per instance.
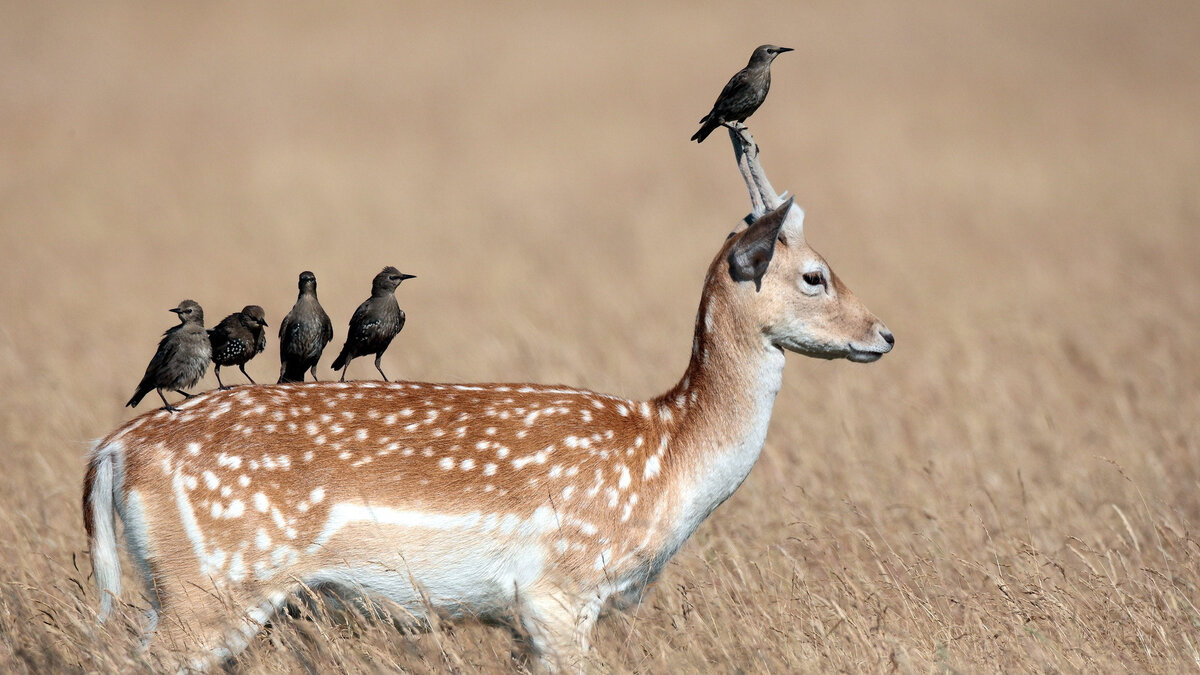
(376, 322)
(181, 359)
(743, 94)
(303, 333)
(237, 339)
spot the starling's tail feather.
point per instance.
(343, 358)
(138, 395)
(292, 372)
(710, 124)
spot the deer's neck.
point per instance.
(715, 419)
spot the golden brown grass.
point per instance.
(1012, 187)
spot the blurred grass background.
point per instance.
(1011, 186)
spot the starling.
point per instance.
(237, 339)
(303, 334)
(744, 92)
(182, 357)
(375, 322)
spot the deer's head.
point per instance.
(786, 289)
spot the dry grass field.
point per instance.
(1014, 187)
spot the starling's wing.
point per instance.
(736, 94)
(219, 335)
(261, 343)
(365, 325)
(399, 320)
(326, 327)
(167, 347)
(285, 326)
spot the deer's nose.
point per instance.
(887, 336)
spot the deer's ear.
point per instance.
(751, 254)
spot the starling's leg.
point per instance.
(185, 394)
(380, 369)
(344, 369)
(313, 370)
(166, 406)
(220, 385)
(242, 368)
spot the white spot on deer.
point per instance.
(226, 491)
(412, 427)
(361, 434)
(597, 404)
(624, 480)
(622, 410)
(489, 469)
(237, 567)
(652, 468)
(348, 415)
(567, 492)
(603, 559)
(467, 464)
(522, 433)
(366, 459)
(308, 455)
(627, 512)
(278, 518)
(216, 510)
(193, 448)
(236, 508)
(190, 482)
(285, 462)
(483, 445)
(311, 428)
(211, 480)
(317, 495)
(345, 454)
(560, 545)
(446, 463)
(613, 497)
(261, 503)
(585, 415)
(555, 471)
(243, 480)
(490, 431)
(231, 461)
(501, 451)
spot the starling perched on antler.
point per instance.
(182, 357)
(303, 334)
(744, 92)
(376, 321)
(237, 339)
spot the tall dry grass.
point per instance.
(1012, 187)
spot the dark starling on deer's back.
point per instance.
(376, 321)
(303, 333)
(237, 339)
(744, 92)
(182, 357)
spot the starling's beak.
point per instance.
(263, 322)
(176, 310)
(786, 49)
(404, 276)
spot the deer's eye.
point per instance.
(814, 278)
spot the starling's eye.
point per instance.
(814, 278)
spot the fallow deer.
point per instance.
(542, 503)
